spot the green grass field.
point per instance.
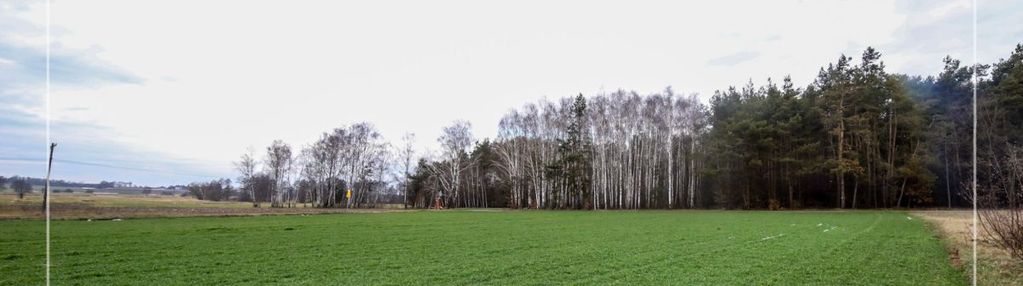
(486, 247)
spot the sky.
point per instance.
(170, 92)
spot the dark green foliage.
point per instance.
(857, 137)
(421, 186)
(573, 165)
(1000, 139)
(1006, 99)
(483, 175)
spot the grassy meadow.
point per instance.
(486, 247)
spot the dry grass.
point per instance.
(91, 206)
(994, 265)
(111, 200)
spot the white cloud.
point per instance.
(6, 63)
(219, 76)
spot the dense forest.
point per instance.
(858, 136)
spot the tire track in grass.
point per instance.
(708, 247)
(666, 259)
(818, 258)
(472, 260)
(832, 253)
(598, 273)
(568, 249)
(726, 246)
(750, 245)
(570, 245)
(776, 255)
(745, 245)
(913, 235)
(552, 227)
(643, 251)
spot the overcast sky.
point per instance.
(169, 92)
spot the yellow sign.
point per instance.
(348, 195)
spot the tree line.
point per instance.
(56, 183)
(20, 185)
(346, 167)
(858, 136)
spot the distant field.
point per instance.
(83, 206)
(487, 247)
(118, 200)
(116, 190)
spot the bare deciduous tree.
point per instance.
(347, 158)
(407, 155)
(246, 167)
(278, 166)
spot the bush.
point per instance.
(1005, 228)
(1002, 201)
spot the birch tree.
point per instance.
(246, 166)
(454, 141)
(406, 156)
(278, 166)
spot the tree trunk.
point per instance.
(841, 152)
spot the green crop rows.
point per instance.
(485, 247)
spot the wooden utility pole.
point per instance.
(46, 189)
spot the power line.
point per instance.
(103, 165)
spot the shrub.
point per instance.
(1002, 201)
